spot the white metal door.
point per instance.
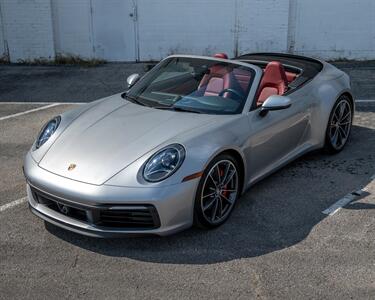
(115, 30)
(185, 27)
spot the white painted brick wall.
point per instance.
(105, 29)
(28, 28)
(336, 29)
(2, 38)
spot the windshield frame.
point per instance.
(253, 88)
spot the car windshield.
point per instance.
(194, 85)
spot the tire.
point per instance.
(339, 125)
(217, 193)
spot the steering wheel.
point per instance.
(237, 93)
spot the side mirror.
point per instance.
(132, 79)
(275, 102)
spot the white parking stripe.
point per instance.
(364, 101)
(42, 103)
(12, 204)
(334, 208)
(28, 111)
(339, 204)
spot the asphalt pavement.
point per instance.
(278, 243)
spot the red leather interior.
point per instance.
(242, 77)
(217, 80)
(274, 81)
(290, 76)
(221, 55)
(215, 86)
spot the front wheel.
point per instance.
(339, 125)
(218, 191)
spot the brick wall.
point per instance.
(128, 30)
(3, 51)
(335, 29)
(28, 28)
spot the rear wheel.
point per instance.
(218, 191)
(339, 125)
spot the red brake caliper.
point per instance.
(226, 193)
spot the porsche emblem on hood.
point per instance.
(72, 167)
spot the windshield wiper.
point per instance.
(175, 108)
(178, 108)
(132, 99)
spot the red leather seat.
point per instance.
(221, 55)
(290, 76)
(242, 78)
(217, 80)
(274, 81)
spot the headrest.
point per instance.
(274, 72)
(221, 55)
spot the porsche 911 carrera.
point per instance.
(184, 142)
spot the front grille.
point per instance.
(105, 216)
(127, 218)
(69, 211)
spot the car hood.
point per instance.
(112, 135)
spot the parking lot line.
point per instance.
(12, 204)
(365, 101)
(335, 207)
(43, 103)
(28, 111)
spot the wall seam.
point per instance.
(292, 21)
(92, 29)
(53, 28)
(4, 33)
(236, 29)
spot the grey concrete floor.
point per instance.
(277, 244)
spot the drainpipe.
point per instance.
(6, 47)
(292, 21)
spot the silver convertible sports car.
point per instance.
(182, 144)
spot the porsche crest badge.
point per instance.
(72, 167)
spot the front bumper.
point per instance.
(171, 207)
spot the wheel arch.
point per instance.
(239, 157)
(328, 144)
(326, 94)
(350, 96)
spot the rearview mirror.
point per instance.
(132, 79)
(275, 102)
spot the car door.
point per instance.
(277, 136)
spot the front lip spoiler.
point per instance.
(87, 232)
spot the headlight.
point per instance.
(164, 163)
(47, 131)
